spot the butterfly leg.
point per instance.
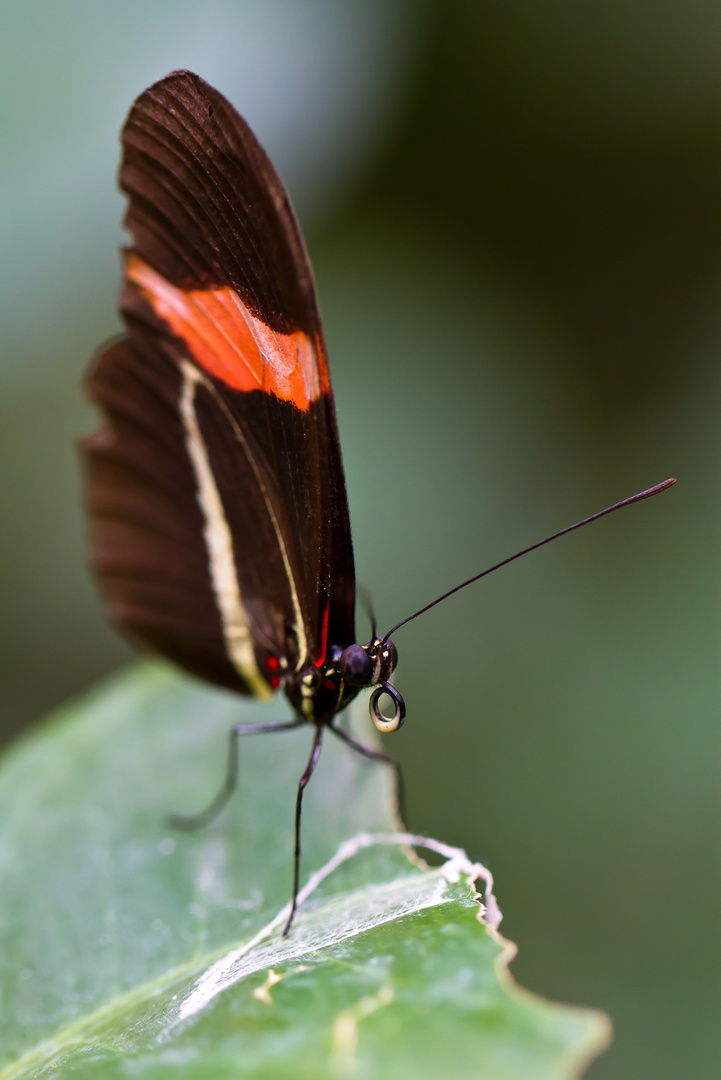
(191, 822)
(378, 755)
(303, 783)
(365, 599)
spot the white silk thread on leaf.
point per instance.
(393, 900)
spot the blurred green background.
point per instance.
(513, 212)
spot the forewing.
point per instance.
(219, 519)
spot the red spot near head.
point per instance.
(272, 663)
(274, 681)
(320, 657)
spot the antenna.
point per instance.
(586, 521)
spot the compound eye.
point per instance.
(356, 666)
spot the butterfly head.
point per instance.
(372, 664)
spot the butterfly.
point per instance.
(219, 524)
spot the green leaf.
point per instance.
(132, 951)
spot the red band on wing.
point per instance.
(323, 639)
(229, 342)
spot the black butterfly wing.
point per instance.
(219, 520)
